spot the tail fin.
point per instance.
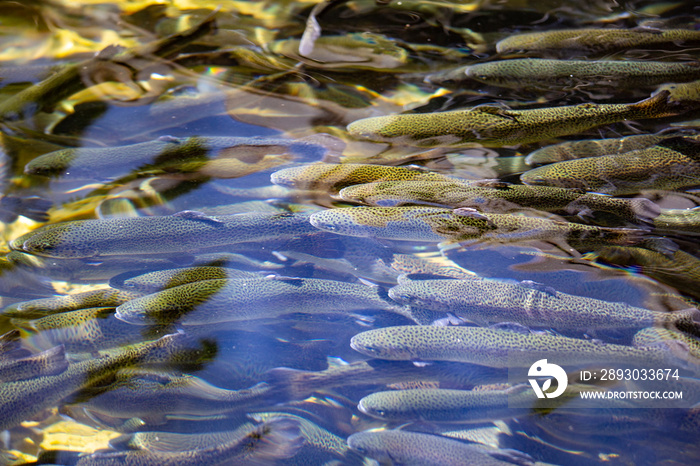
(656, 106)
(273, 440)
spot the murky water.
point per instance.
(165, 303)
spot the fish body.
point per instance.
(50, 362)
(679, 269)
(686, 221)
(300, 384)
(433, 224)
(545, 73)
(486, 301)
(445, 405)
(494, 126)
(335, 176)
(83, 330)
(180, 232)
(216, 301)
(167, 153)
(594, 40)
(496, 197)
(498, 348)
(671, 164)
(168, 278)
(42, 307)
(414, 448)
(570, 150)
(262, 444)
(145, 393)
(21, 400)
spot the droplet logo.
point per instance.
(543, 369)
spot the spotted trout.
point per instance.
(483, 301)
(545, 74)
(494, 126)
(433, 224)
(595, 40)
(671, 164)
(497, 197)
(181, 232)
(503, 348)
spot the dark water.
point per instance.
(242, 76)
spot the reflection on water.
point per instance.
(210, 259)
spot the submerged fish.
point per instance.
(679, 269)
(483, 301)
(215, 301)
(670, 164)
(433, 224)
(21, 400)
(300, 384)
(149, 394)
(502, 348)
(169, 154)
(181, 232)
(414, 448)
(593, 148)
(595, 40)
(443, 405)
(37, 308)
(498, 197)
(545, 73)
(494, 126)
(50, 362)
(335, 176)
(168, 278)
(686, 221)
(262, 444)
(84, 330)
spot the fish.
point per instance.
(262, 444)
(21, 400)
(497, 197)
(686, 221)
(653, 336)
(151, 395)
(335, 176)
(299, 384)
(87, 271)
(445, 405)
(49, 362)
(546, 74)
(504, 348)
(484, 301)
(84, 330)
(219, 157)
(671, 164)
(594, 40)
(222, 300)
(181, 232)
(570, 150)
(494, 126)
(679, 269)
(168, 278)
(415, 448)
(42, 307)
(320, 444)
(434, 224)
